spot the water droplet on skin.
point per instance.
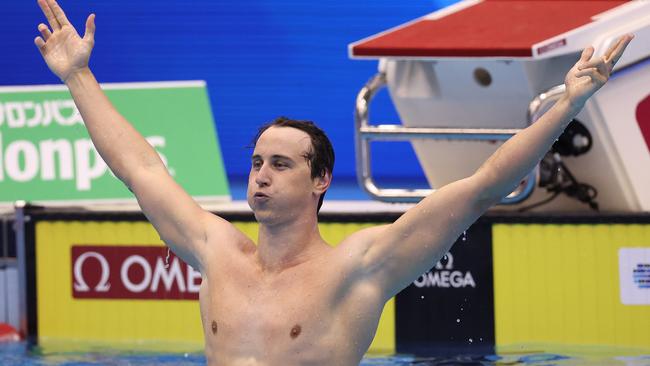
(167, 258)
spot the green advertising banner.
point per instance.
(46, 154)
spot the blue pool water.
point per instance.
(20, 354)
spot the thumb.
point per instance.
(90, 28)
(586, 54)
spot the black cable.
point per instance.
(581, 191)
(560, 180)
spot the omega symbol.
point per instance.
(80, 284)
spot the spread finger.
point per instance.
(45, 31)
(58, 13)
(45, 7)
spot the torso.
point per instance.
(315, 313)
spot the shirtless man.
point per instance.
(292, 299)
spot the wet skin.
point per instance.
(316, 313)
(302, 303)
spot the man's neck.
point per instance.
(281, 246)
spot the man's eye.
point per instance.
(257, 164)
(280, 165)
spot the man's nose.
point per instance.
(262, 178)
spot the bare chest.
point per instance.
(319, 313)
(300, 312)
(284, 309)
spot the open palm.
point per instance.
(64, 51)
(588, 75)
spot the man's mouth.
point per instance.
(260, 195)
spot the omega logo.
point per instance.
(80, 283)
(131, 272)
(444, 276)
(450, 262)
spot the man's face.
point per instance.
(279, 182)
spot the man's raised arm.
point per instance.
(180, 222)
(397, 254)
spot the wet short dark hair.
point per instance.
(320, 157)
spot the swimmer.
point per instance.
(292, 299)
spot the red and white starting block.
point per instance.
(8, 333)
(467, 77)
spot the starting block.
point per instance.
(467, 77)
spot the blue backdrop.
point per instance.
(261, 59)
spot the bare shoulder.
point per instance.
(353, 251)
(223, 235)
(359, 298)
(359, 242)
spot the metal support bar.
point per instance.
(21, 258)
(364, 133)
(542, 102)
(399, 133)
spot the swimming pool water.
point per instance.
(20, 354)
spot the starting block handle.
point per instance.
(365, 132)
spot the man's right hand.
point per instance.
(64, 51)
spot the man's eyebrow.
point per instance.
(275, 156)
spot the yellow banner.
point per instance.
(571, 284)
(165, 325)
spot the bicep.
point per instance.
(419, 238)
(178, 219)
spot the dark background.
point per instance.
(460, 320)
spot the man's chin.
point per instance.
(262, 212)
(266, 217)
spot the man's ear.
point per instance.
(322, 183)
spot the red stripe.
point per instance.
(491, 28)
(643, 119)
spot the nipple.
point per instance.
(295, 331)
(214, 327)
